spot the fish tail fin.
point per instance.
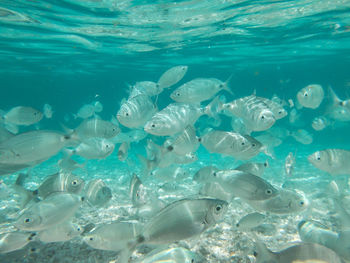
(213, 108)
(334, 97)
(226, 86)
(13, 128)
(68, 152)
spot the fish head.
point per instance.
(179, 95)
(103, 195)
(158, 127)
(75, 230)
(107, 146)
(318, 159)
(299, 202)
(74, 184)
(28, 221)
(37, 115)
(264, 120)
(94, 240)
(111, 130)
(125, 115)
(216, 211)
(281, 113)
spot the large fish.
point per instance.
(333, 161)
(311, 96)
(22, 115)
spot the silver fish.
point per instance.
(181, 220)
(123, 151)
(47, 110)
(148, 88)
(60, 182)
(114, 236)
(242, 147)
(14, 241)
(173, 255)
(333, 161)
(250, 221)
(244, 185)
(98, 193)
(320, 123)
(311, 96)
(256, 115)
(67, 164)
(137, 191)
(285, 202)
(302, 136)
(96, 127)
(136, 111)
(253, 168)
(54, 210)
(172, 76)
(22, 115)
(93, 148)
(277, 109)
(89, 110)
(60, 233)
(338, 109)
(203, 173)
(289, 164)
(174, 119)
(198, 90)
(302, 252)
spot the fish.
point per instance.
(19, 149)
(173, 255)
(137, 193)
(92, 148)
(256, 115)
(136, 111)
(285, 202)
(131, 136)
(311, 96)
(175, 118)
(13, 241)
(114, 236)
(198, 90)
(123, 151)
(289, 164)
(295, 117)
(253, 168)
(60, 233)
(184, 143)
(68, 165)
(88, 110)
(91, 128)
(302, 136)
(277, 109)
(250, 221)
(148, 88)
(172, 76)
(332, 161)
(315, 232)
(203, 173)
(97, 193)
(302, 252)
(53, 210)
(320, 123)
(244, 185)
(241, 147)
(22, 115)
(59, 182)
(182, 219)
(338, 109)
(47, 111)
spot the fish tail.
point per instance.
(226, 86)
(146, 164)
(334, 97)
(213, 108)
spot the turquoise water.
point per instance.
(71, 52)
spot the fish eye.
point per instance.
(253, 144)
(218, 208)
(215, 174)
(192, 260)
(126, 114)
(255, 254)
(74, 182)
(170, 148)
(221, 86)
(78, 229)
(305, 94)
(318, 158)
(153, 125)
(178, 94)
(262, 117)
(243, 143)
(280, 112)
(91, 238)
(268, 191)
(27, 220)
(301, 203)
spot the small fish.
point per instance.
(137, 193)
(136, 111)
(302, 252)
(123, 151)
(97, 193)
(311, 96)
(285, 202)
(241, 147)
(60, 182)
(89, 110)
(175, 118)
(257, 116)
(198, 90)
(173, 255)
(47, 110)
(93, 148)
(60, 233)
(302, 136)
(250, 221)
(68, 165)
(253, 168)
(114, 236)
(289, 164)
(22, 115)
(333, 161)
(203, 173)
(14, 241)
(294, 117)
(148, 88)
(182, 220)
(54, 210)
(96, 127)
(244, 185)
(172, 76)
(320, 123)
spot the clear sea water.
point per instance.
(69, 53)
